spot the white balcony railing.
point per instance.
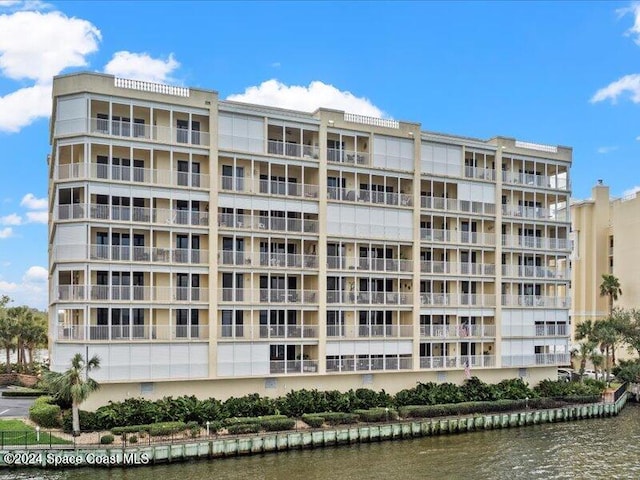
(261, 332)
(483, 361)
(457, 331)
(268, 187)
(530, 242)
(370, 298)
(535, 180)
(267, 296)
(369, 264)
(530, 271)
(370, 331)
(386, 362)
(535, 359)
(456, 236)
(260, 223)
(535, 301)
(368, 196)
(130, 332)
(480, 173)
(551, 330)
(119, 253)
(537, 213)
(464, 268)
(293, 366)
(455, 205)
(274, 260)
(118, 213)
(277, 147)
(135, 293)
(457, 299)
(119, 173)
(156, 133)
(336, 155)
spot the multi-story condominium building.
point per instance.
(605, 232)
(219, 248)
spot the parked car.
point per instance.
(564, 374)
(588, 373)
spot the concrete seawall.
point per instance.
(273, 442)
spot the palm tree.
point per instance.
(8, 331)
(610, 287)
(74, 386)
(583, 353)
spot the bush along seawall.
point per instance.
(142, 432)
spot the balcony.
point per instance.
(368, 196)
(480, 173)
(115, 173)
(259, 223)
(139, 131)
(116, 213)
(276, 147)
(262, 332)
(134, 293)
(558, 359)
(536, 213)
(269, 187)
(370, 331)
(351, 157)
(455, 236)
(535, 180)
(267, 296)
(267, 260)
(370, 298)
(455, 205)
(369, 364)
(138, 333)
(531, 242)
(530, 271)
(457, 331)
(457, 299)
(465, 268)
(439, 362)
(389, 265)
(69, 293)
(535, 301)
(293, 366)
(119, 253)
(553, 330)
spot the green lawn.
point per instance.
(15, 432)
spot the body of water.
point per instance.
(588, 449)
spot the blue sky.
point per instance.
(553, 72)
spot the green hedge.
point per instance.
(89, 421)
(130, 429)
(313, 420)
(278, 424)
(45, 414)
(335, 418)
(243, 428)
(377, 414)
(166, 428)
(237, 420)
(107, 439)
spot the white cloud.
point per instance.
(11, 219)
(307, 98)
(141, 66)
(38, 217)
(35, 274)
(276, 65)
(54, 42)
(628, 83)
(6, 232)
(33, 203)
(634, 10)
(631, 191)
(37, 45)
(31, 291)
(605, 150)
(21, 107)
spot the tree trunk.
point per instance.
(8, 359)
(76, 417)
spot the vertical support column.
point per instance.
(322, 248)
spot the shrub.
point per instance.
(378, 414)
(314, 421)
(166, 428)
(236, 420)
(130, 429)
(337, 418)
(243, 428)
(45, 414)
(133, 439)
(513, 389)
(475, 390)
(107, 439)
(89, 421)
(45, 399)
(278, 424)
(556, 389)
(248, 406)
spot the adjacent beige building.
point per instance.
(605, 234)
(218, 248)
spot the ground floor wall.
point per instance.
(391, 382)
